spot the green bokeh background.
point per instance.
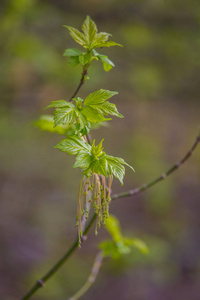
(157, 76)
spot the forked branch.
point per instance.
(41, 282)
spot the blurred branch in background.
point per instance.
(91, 279)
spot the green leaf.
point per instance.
(100, 38)
(60, 103)
(122, 161)
(78, 100)
(107, 67)
(120, 245)
(64, 116)
(97, 150)
(65, 112)
(123, 248)
(107, 63)
(107, 44)
(73, 61)
(86, 129)
(113, 227)
(46, 122)
(82, 120)
(77, 36)
(108, 108)
(137, 243)
(92, 115)
(83, 160)
(90, 29)
(105, 59)
(110, 248)
(99, 166)
(72, 52)
(99, 96)
(115, 168)
(81, 59)
(90, 39)
(85, 58)
(73, 145)
(99, 124)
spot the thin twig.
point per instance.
(82, 81)
(40, 283)
(162, 177)
(91, 279)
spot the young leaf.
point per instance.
(115, 167)
(82, 120)
(73, 145)
(113, 227)
(108, 108)
(86, 129)
(107, 67)
(107, 63)
(72, 52)
(99, 96)
(107, 44)
(122, 161)
(85, 58)
(83, 160)
(73, 61)
(64, 116)
(77, 36)
(46, 122)
(105, 59)
(137, 243)
(60, 103)
(110, 249)
(92, 115)
(100, 38)
(90, 39)
(99, 124)
(97, 150)
(99, 166)
(89, 28)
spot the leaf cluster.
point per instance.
(92, 159)
(119, 245)
(95, 108)
(90, 39)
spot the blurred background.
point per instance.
(157, 75)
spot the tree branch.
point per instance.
(162, 177)
(40, 283)
(91, 279)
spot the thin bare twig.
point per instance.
(82, 81)
(162, 177)
(40, 283)
(91, 279)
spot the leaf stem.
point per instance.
(40, 283)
